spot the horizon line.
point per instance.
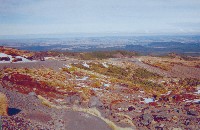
(82, 34)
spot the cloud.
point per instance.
(102, 15)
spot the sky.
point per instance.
(19, 17)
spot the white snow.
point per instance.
(82, 79)
(119, 108)
(195, 100)
(47, 58)
(105, 65)
(167, 93)
(148, 100)
(5, 55)
(11, 58)
(86, 65)
(68, 66)
(23, 59)
(198, 92)
(106, 85)
(96, 89)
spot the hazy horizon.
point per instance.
(111, 17)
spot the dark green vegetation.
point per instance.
(143, 73)
(97, 55)
(189, 82)
(106, 55)
(112, 70)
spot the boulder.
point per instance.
(32, 94)
(131, 108)
(95, 102)
(3, 105)
(73, 99)
(4, 59)
(83, 121)
(146, 119)
(192, 112)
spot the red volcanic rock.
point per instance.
(181, 97)
(26, 84)
(177, 98)
(189, 96)
(190, 89)
(153, 104)
(17, 59)
(3, 105)
(16, 52)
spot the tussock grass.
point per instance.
(45, 101)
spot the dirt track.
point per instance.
(28, 112)
(176, 71)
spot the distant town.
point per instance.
(144, 45)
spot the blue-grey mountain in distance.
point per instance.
(144, 44)
(107, 34)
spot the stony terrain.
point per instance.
(113, 93)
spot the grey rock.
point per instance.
(146, 119)
(32, 94)
(84, 121)
(192, 112)
(95, 102)
(73, 99)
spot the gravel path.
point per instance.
(176, 71)
(49, 64)
(150, 68)
(33, 115)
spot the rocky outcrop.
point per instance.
(4, 59)
(95, 102)
(3, 105)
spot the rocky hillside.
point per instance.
(116, 93)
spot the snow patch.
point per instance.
(86, 65)
(96, 89)
(23, 59)
(198, 92)
(68, 66)
(106, 85)
(48, 58)
(11, 58)
(105, 65)
(5, 55)
(195, 100)
(141, 91)
(82, 79)
(148, 100)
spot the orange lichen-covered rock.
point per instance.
(3, 105)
